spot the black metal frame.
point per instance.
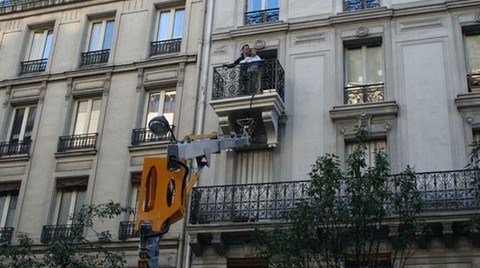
(364, 93)
(24, 5)
(165, 46)
(15, 148)
(247, 79)
(352, 5)
(70, 231)
(261, 16)
(33, 66)
(6, 234)
(95, 57)
(127, 230)
(76, 142)
(144, 135)
(440, 191)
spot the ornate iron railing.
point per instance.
(75, 142)
(70, 231)
(9, 6)
(6, 234)
(247, 79)
(364, 93)
(440, 192)
(165, 46)
(473, 81)
(15, 148)
(144, 135)
(261, 16)
(127, 230)
(33, 66)
(351, 5)
(95, 57)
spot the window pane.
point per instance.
(64, 211)
(17, 124)
(472, 44)
(255, 5)
(178, 23)
(107, 41)
(169, 106)
(80, 201)
(36, 49)
(48, 45)
(11, 210)
(81, 117)
(29, 124)
(354, 67)
(94, 116)
(153, 106)
(95, 37)
(272, 4)
(374, 65)
(163, 26)
(3, 199)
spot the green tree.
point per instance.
(72, 250)
(343, 220)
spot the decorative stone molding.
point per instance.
(259, 44)
(8, 92)
(468, 104)
(25, 93)
(477, 16)
(140, 72)
(362, 31)
(158, 77)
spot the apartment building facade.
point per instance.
(79, 80)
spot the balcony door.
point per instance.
(87, 115)
(21, 127)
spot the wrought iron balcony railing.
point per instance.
(247, 79)
(127, 230)
(76, 142)
(66, 231)
(440, 192)
(9, 6)
(144, 135)
(33, 66)
(9, 148)
(165, 46)
(6, 234)
(352, 5)
(473, 80)
(364, 93)
(95, 57)
(261, 16)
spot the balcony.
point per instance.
(261, 16)
(364, 93)
(10, 6)
(65, 231)
(353, 5)
(33, 66)
(127, 230)
(77, 142)
(95, 57)
(165, 46)
(144, 135)
(254, 90)
(10, 148)
(6, 234)
(441, 192)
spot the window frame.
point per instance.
(86, 126)
(371, 144)
(364, 50)
(46, 33)
(102, 34)
(24, 121)
(264, 5)
(6, 208)
(163, 93)
(72, 208)
(171, 23)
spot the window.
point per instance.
(99, 42)
(8, 202)
(20, 131)
(352, 5)
(38, 51)
(363, 72)
(160, 103)
(472, 54)
(168, 37)
(70, 199)
(260, 11)
(87, 114)
(254, 166)
(370, 147)
(135, 184)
